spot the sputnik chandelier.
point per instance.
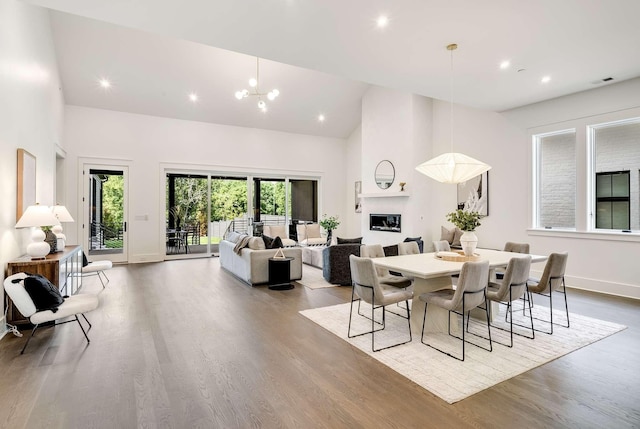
(254, 83)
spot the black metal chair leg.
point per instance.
(83, 331)
(33, 331)
(87, 320)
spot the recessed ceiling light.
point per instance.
(546, 79)
(382, 21)
(321, 117)
(505, 64)
(105, 83)
(193, 97)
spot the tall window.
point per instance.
(616, 155)
(555, 179)
(612, 200)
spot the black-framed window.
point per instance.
(613, 202)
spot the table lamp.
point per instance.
(37, 216)
(62, 214)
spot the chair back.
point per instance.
(365, 279)
(474, 277)
(374, 251)
(510, 246)
(553, 273)
(408, 248)
(441, 246)
(19, 295)
(275, 231)
(516, 274)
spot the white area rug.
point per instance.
(453, 380)
(312, 278)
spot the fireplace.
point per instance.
(385, 222)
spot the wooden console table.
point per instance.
(60, 268)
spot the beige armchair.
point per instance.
(309, 235)
(279, 231)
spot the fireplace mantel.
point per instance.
(385, 195)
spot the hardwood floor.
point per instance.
(185, 344)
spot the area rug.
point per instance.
(453, 380)
(312, 278)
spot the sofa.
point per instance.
(335, 263)
(252, 264)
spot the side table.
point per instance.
(280, 273)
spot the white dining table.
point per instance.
(431, 273)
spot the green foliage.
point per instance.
(228, 199)
(329, 223)
(112, 201)
(466, 221)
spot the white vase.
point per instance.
(468, 241)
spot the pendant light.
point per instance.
(452, 167)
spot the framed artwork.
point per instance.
(473, 195)
(26, 182)
(358, 191)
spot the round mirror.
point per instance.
(385, 173)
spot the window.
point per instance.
(612, 200)
(616, 162)
(555, 205)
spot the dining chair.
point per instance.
(441, 246)
(384, 276)
(511, 246)
(408, 248)
(552, 280)
(469, 294)
(72, 306)
(511, 288)
(367, 288)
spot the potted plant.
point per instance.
(467, 221)
(329, 223)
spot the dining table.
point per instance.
(431, 273)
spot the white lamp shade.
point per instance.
(452, 167)
(37, 215)
(62, 213)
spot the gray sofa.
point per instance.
(252, 266)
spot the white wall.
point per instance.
(351, 225)
(396, 126)
(148, 143)
(31, 108)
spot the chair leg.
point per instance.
(566, 306)
(83, 331)
(33, 331)
(87, 320)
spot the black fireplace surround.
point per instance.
(385, 222)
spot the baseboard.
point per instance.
(600, 286)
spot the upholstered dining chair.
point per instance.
(408, 248)
(469, 294)
(552, 280)
(367, 287)
(441, 246)
(72, 306)
(510, 246)
(511, 288)
(384, 276)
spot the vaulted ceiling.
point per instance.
(322, 55)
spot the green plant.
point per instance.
(329, 223)
(466, 221)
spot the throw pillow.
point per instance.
(277, 242)
(232, 236)
(43, 293)
(349, 240)
(447, 234)
(256, 243)
(456, 237)
(268, 241)
(313, 230)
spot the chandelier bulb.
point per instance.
(262, 104)
(239, 95)
(271, 96)
(253, 82)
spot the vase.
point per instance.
(468, 241)
(329, 232)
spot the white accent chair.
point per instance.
(309, 235)
(97, 268)
(72, 306)
(274, 231)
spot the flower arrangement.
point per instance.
(329, 223)
(465, 220)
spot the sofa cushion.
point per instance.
(256, 243)
(272, 243)
(233, 236)
(456, 237)
(349, 240)
(447, 234)
(313, 230)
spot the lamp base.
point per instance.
(38, 249)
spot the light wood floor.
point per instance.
(184, 344)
